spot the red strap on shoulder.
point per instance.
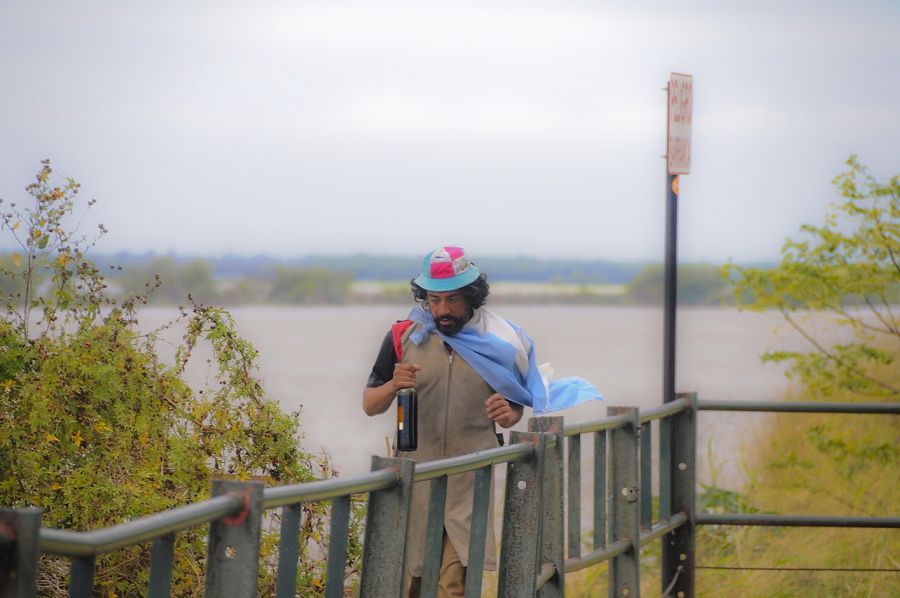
(397, 330)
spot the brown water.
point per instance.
(317, 359)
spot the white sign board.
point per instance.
(681, 102)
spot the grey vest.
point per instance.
(452, 421)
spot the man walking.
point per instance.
(471, 370)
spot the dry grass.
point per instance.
(813, 464)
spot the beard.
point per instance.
(450, 325)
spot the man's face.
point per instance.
(449, 309)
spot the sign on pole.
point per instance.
(678, 148)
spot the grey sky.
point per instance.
(507, 127)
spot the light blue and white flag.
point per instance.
(503, 355)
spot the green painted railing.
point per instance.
(542, 532)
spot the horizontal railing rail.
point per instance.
(280, 496)
(616, 548)
(472, 461)
(800, 407)
(613, 422)
(92, 543)
(663, 411)
(796, 520)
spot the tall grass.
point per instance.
(812, 464)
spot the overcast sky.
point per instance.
(509, 128)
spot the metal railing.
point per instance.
(621, 500)
(541, 527)
(758, 519)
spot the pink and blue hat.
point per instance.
(446, 269)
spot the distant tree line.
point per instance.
(698, 284)
(367, 267)
(171, 279)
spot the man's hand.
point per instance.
(404, 375)
(502, 411)
(378, 400)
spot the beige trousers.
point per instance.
(452, 581)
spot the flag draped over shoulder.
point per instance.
(503, 355)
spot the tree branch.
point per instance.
(858, 321)
(890, 327)
(834, 358)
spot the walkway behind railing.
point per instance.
(536, 535)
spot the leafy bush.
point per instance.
(98, 430)
(850, 268)
(824, 464)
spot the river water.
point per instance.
(317, 359)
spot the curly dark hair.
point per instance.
(475, 293)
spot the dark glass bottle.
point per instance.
(407, 419)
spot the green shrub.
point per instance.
(98, 430)
(824, 464)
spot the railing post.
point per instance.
(81, 577)
(434, 536)
(600, 493)
(665, 467)
(162, 556)
(573, 497)
(624, 503)
(678, 546)
(646, 485)
(521, 521)
(337, 546)
(288, 551)
(481, 498)
(19, 530)
(384, 549)
(552, 549)
(232, 560)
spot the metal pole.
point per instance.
(678, 558)
(670, 288)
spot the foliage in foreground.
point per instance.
(820, 464)
(98, 430)
(849, 268)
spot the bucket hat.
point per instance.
(446, 269)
